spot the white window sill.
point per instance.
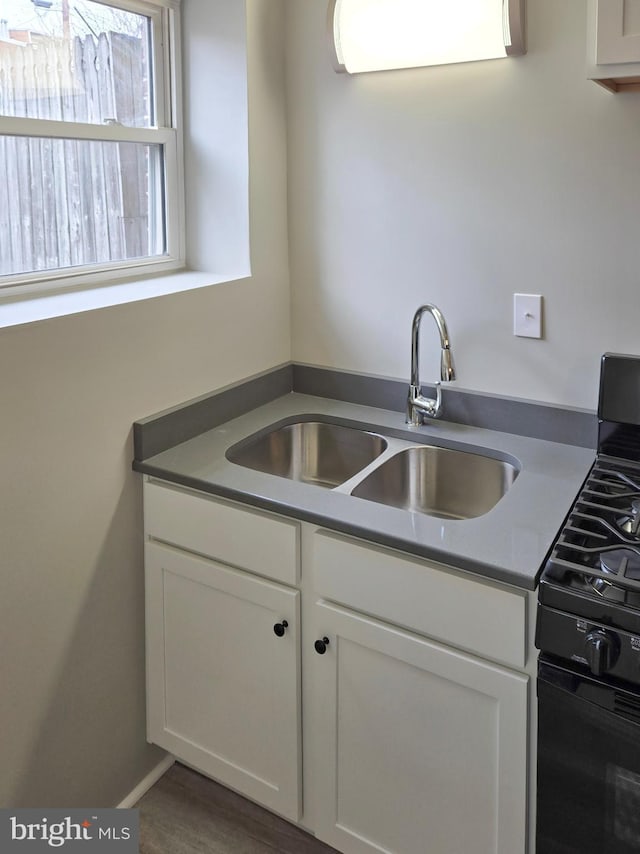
(16, 310)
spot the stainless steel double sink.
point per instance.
(440, 481)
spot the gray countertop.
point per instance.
(509, 543)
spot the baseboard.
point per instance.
(144, 785)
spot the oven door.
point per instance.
(588, 799)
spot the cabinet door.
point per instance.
(617, 31)
(223, 689)
(418, 748)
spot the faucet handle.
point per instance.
(419, 406)
(437, 403)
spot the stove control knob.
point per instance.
(601, 651)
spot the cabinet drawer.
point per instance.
(483, 618)
(221, 530)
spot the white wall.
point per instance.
(71, 609)
(461, 185)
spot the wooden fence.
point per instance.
(65, 203)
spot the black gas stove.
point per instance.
(593, 571)
(588, 633)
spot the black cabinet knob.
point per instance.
(320, 646)
(280, 628)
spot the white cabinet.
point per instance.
(613, 50)
(412, 719)
(248, 539)
(223, 674)
(484, 618)
(418, 748)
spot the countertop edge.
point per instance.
(457, 562)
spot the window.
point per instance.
(89, 140)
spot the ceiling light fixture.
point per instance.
(378, 35)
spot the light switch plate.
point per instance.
(527, 315)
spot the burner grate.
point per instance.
(605, 519)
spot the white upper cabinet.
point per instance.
(613, 50)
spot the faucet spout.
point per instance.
(418, 406)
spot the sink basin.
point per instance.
(310, 451)
(440, 482)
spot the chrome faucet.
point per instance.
(418, 406)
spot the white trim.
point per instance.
(46, 281)
(145, 784)
(140, 6)
(176, 224)
(51, 128)
(160, 71)
(44, 306)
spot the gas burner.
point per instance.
(619, 563)
(630, 522)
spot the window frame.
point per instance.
(166, 78)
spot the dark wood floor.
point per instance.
(186, 813)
